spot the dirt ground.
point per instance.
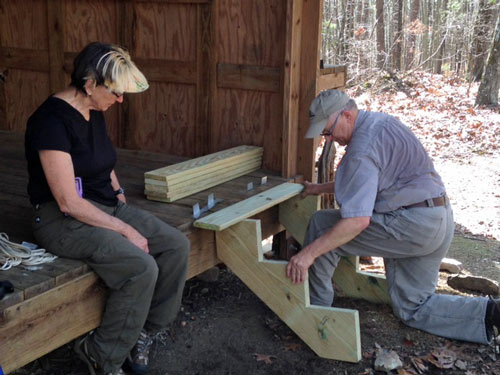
(223, 328)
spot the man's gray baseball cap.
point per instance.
(326, 103)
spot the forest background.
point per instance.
(459, 37)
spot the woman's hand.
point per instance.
(121, 197)
(298, 265)
(136, 238)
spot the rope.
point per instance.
(13, 254)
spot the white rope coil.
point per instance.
(13, 254)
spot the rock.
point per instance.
(387, 361)
(475, 283)
(451, 265)
(209, 276)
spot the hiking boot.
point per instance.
(82, 353)
(492, 318)
(138, 359)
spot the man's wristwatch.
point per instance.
(119, 191)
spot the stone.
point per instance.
(451, 265)
(474, 283)
(387, 361)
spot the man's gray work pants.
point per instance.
(145, 289)
(412, 242)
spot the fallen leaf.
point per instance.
(403, 371)
(267, 358)
(419, 365)
(442, 358)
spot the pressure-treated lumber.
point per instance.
(201, 182)
(180, 180)
(294, 214)
(329, 332)
(359, 284)
(233, 214)
(201, 165)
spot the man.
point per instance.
(393, 205)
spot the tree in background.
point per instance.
(488, 89)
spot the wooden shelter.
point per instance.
(222, 73)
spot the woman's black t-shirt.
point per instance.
(56, 125)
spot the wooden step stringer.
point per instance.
(330, 332)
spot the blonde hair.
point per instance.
(108, 65)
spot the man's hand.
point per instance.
(309, 189)
(298, 265)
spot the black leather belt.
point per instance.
(439, 201)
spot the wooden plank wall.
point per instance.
(222, 72)
(248, 109)
(168, 39)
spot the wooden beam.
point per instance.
(55, 36)
(330, 332)
(248, 77)
(295, 214)
(358, 284)
(158, 70)
(168, 71)
(233, 214)
(25, 59)
(291, 87)
(330, 81)
(309, 67)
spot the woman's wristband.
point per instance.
(119, 191)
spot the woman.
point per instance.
(81, 212)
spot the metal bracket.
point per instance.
(263, 181)
(211, 202)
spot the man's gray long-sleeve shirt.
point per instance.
(385, 167)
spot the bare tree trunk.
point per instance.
(380, 34)
(413, 19)
(488, 89)
(441, 13)
(479, 48)
(396, 51)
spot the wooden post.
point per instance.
(127, 25)
(309, 68)
(3, 98)
(212, 66)
(205, 50)
(291, 87)
(55, 36)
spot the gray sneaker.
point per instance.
(138, 359)
(82, 353)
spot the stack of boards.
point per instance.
(180, 180)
